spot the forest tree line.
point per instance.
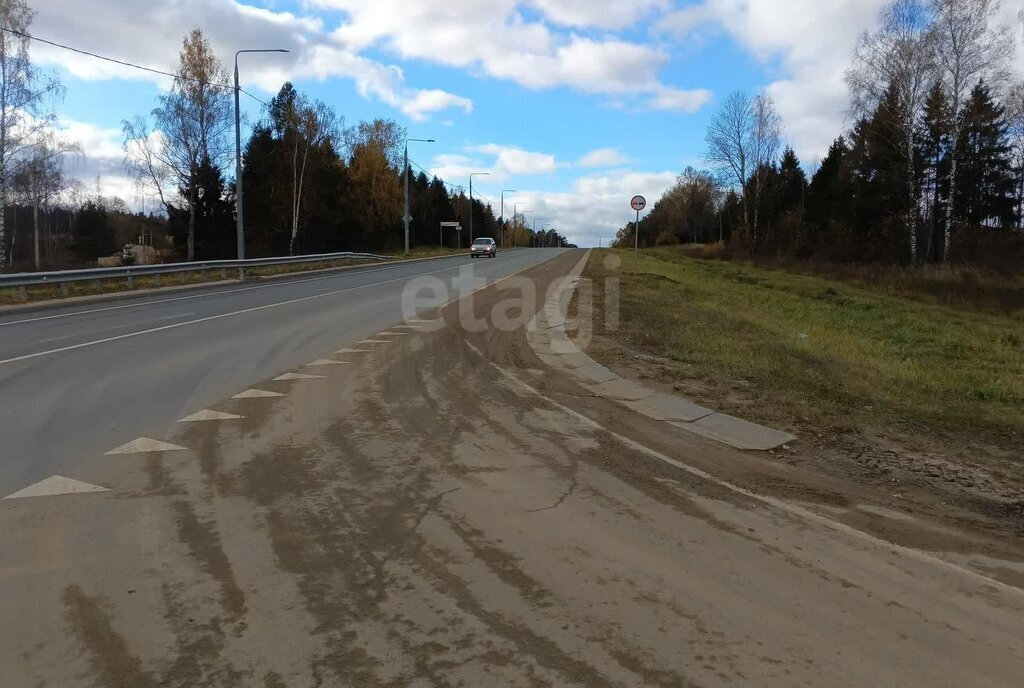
(931, 170)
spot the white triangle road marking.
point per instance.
(375, 341)
(144, 445)
(354, 351)
(298, 376)
(207, 414)
(54, 486)
(392, 334)
(257, 394)
(324, 362)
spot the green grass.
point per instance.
(807, 348)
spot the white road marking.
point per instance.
(375, 341)
(354, 351)
(144, 445)
(298, 376)
(257, 394)
(320, 362)
(392, 334)
(208, 318)
(55, 486)
(207, 414)
(200, 296)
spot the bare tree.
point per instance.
(190, 129)
(766, 135)
(742, 139)
(728, 140)
(24, 119)
(969, 48)
(313, 125)
(899, 56)
(41, 179)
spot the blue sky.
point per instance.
(578, 104)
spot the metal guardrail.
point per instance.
(23, 280)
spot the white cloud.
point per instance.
(810, 40)
(597, 206)
(679, 100)
(501, 163)
(102, 156)
(496, 40)
(602, 157)
(151, 35)
(606, 15)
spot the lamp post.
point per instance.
(471, 175)
(545, 227)
(406, 218)
(502, 221)
(238, 154)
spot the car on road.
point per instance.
(484, 246)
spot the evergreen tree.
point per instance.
(94, 235)
(985, 179)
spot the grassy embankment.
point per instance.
(797, 349)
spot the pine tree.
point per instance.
(985, 179)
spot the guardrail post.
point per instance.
(223, 273)
(98, 284)
(241, 274)
(157, 279)
(131, 281)
(63, 288)
(184, 277)
(23, 292)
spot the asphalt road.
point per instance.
(76, 381)
(439, 509)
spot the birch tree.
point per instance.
(969, 48)
(313, 125)
(189, 128)
(24, 94)
(742, 139)
(899, 56)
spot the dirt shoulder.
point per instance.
(901, 446)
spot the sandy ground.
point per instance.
(443, 511)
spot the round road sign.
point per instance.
(638, 203)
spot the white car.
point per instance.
(484, 246)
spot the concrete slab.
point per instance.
(623, 390)
(669, 407)
(576, 360)
(595, 373)
(737, 432)
(550, 360)
(563, 346)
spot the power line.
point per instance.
(151, 70)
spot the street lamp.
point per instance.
(471, 175)
(406, 218)
(238, 153)
(504, 191)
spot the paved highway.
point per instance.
(436, 508)
(76, 381)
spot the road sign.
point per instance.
(407, 219)
(638, 203)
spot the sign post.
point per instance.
(455, 225)
(638, 203)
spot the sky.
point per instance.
(577, 105)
